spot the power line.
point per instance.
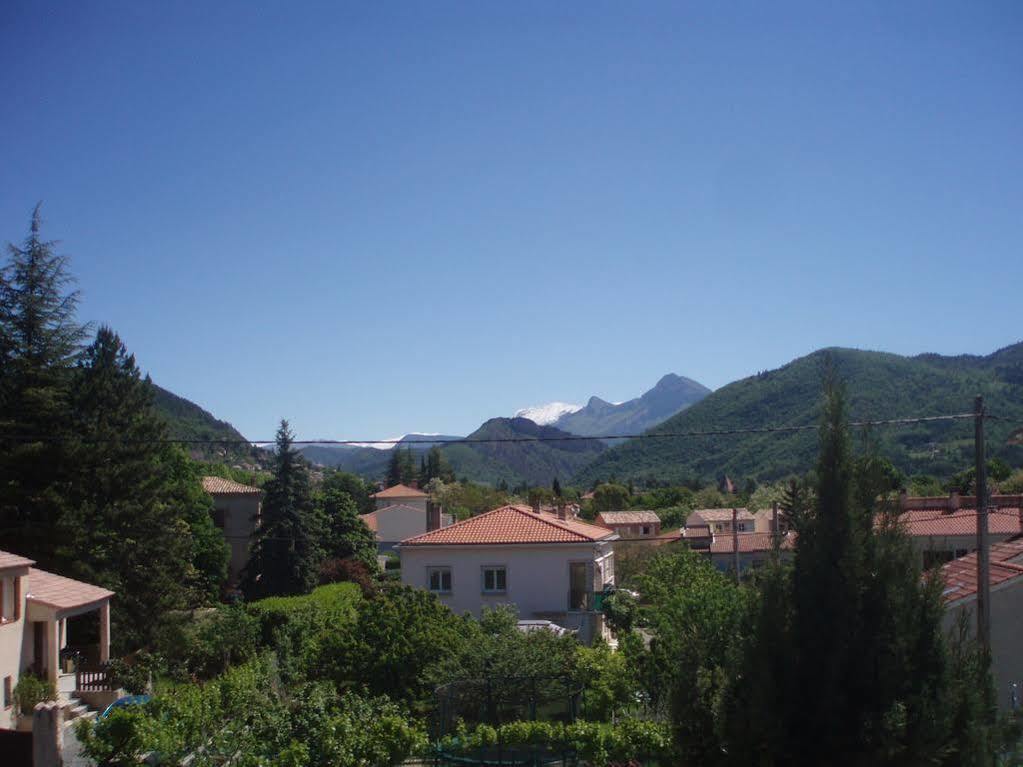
(492, 440)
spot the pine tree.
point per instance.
(40, 340)
(137, 520)
(394, 468)
(556, 488)
(285, 555)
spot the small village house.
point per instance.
(548, 566)
(631, 524)
(37, 608)
(720, 520)
(754, 550)
(401, 495)
(945, 527)
(236, 511)
(1006, 584)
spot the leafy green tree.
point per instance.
(352, 484)
(40, 341)
(396, 638)
(285, 554)
(611, 497)
(695, 615)
(346, 535)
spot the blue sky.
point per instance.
(382, 217)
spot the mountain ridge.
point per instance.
(880, 385)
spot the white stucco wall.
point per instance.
(538, 580)
(15, 639)
(1006, 635)
(397, 524)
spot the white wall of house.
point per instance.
(950, 546)
(14, 628)
(537, 574)
(400, 522)
(1006, 635)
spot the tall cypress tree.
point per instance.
(285, 554)
(40, 340)
(846, 662)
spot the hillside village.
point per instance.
(311, 591)
(511, 385)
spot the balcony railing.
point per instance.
(93, 680)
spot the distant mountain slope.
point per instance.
(369, 462)
(670, 395)
(536, 463)
(879, 385)
(189, 421)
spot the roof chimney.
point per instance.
(953, 500)
(432, 516)
(562, 510)
(903, 499)
(536, 506)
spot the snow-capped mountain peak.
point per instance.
(544, 415)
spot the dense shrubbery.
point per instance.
(31, 690)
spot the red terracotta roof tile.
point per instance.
(221, 486)
(960, 575)
(400, 491)
(8, 560)
(60, 592)
(370, 520)
(928, 523)
(629, 517)
(721, 515)
(512, 525)
(749, 543)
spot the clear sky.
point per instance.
(376, 218)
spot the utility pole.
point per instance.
(735, 540)
(983, 555)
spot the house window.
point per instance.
(718, 527)
(439, 579)
(646, 530)
(8, 691)
(495, 580)
(9, 600)
(218, 518)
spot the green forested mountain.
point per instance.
(880, 385)
(536, 463)
(189, 421)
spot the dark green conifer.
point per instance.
(285, 555)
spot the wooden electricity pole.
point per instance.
(983, 555)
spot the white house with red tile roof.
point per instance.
(631, 524)
(1006, 582)
(946, 528)
(35, 607)
(401, 495)
(236, 511)
(720, 520)
(545, 565)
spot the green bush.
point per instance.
(596, 743)
(31, 690)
